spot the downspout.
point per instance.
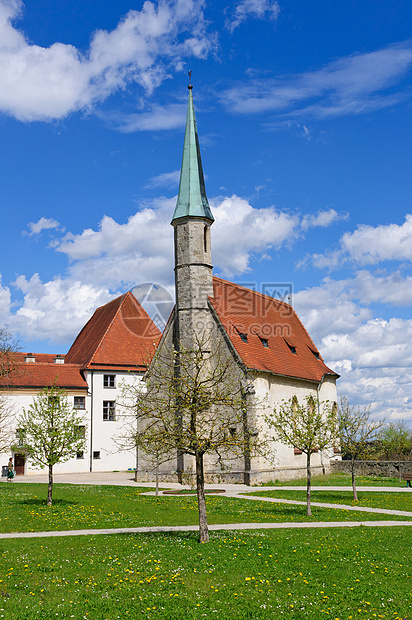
(91, 420)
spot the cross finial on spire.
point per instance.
(190, 80)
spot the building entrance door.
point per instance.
(19, 463)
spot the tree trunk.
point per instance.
(355, 493)
(308, 477)
(50, 486)
(137, 464)
(201, 502)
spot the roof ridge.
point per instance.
(250, 290)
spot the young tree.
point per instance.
(52, 431)
(194, 404)
(395, 440)
(305, 427)
(356, 431)
(131, 438)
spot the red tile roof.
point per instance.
(120, 333)
(44, 372)
(265, 333)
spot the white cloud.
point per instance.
(38, 83)
(372, 354)
(55, 310)
(322, 218)
(368, 245)
(371, 245)
(166, 179)
(121, 253)
(353, 85)
(251, 231)
(44, 223)
(255, 9)
(159, 118)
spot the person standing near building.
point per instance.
(10, 470)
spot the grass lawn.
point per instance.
(375, 499)
(23, 508)
(351, 574)
(341, 479)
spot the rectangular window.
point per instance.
(81, 431)
(80, 455)
(96, 455)
(109, 381)
(79, 402)
(109, 410)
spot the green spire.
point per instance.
(192, 200)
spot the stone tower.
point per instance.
(192, 220)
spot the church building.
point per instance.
(275, 356)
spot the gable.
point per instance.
(120, 333)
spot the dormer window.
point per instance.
(242, 335)
(315, 353)
(264, 341)
(29, 358)
(291, 346)
(59, 359)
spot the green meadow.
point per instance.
(358, 573)
(349, 574)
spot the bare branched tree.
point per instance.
(8, 349)
(194, 404)
(8, 366)
(356, 432)
(309, 427)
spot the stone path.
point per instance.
(402, 513)
(212, 528)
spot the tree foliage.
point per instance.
(395, 441)
(194, 404)
(52, 432)
(356, 432)
(309, 426)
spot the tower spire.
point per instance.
(192, 200)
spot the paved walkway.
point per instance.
(213, 528)
(231, 490)
(126, 479)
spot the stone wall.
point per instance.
(388, 469)
(233, 477)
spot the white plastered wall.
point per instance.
(100, 433)
(271, 390)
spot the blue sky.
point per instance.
(303, 112)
